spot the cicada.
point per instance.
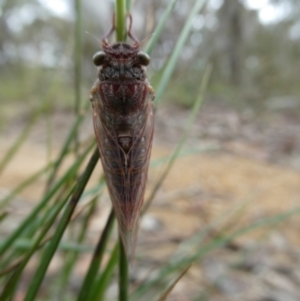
(122, 101)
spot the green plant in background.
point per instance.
(40, 234)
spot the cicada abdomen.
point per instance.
(122, 101)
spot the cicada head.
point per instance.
(121, 60)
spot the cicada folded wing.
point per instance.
(125, 168)
(122, 101)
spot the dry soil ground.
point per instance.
(237, 169)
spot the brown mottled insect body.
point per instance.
(122, 101)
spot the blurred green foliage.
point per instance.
(252, 61)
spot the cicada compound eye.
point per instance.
(144, 58)
(99, 58)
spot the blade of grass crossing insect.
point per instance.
(182, 140)
(160, 26)
(102, 282)
(165, 295)
(63, 223)
(177, 50)
(121, 36)
(91, 275)
(31, 217)
(120, 20)
(11, 285)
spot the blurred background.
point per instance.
(240, 164)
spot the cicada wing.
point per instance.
(139, 158)
(126, 173)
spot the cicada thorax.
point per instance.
(122, 101)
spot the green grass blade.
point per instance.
(72, 258)
(94, 191)
(223, 240)
(165, 78)
(78, 65)
(3, 215)
(50, 250)
(120, 20)
(13, 281)
(182, 140)
(78, 53)
(101, 284)
(160, 26)
(27, 243)
(25, 184)
(18, 143)
(90, 277)
(165, 295)
(128, 5)
(185, 153)
(123, 273)
(48, 135)
(32, 229)
(64, 150)
(32, 216)
(181, 262)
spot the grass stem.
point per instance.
(91, 275)
(123, 273)
(120, 20)
(78, 65)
